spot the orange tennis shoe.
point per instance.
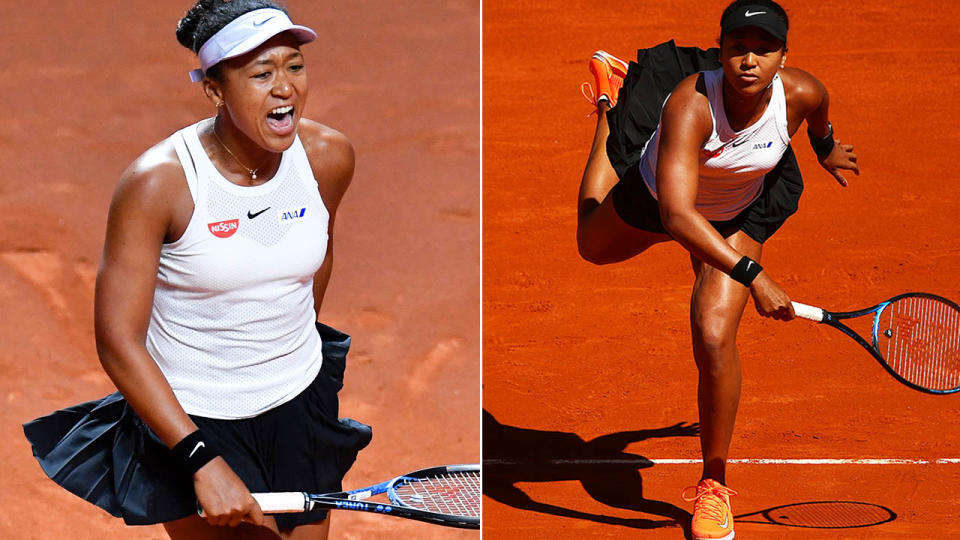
(608, 72)
(712, 517)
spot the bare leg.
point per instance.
(602, 237)
(715, 310)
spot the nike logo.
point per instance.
(749, 14)
(264, 21)
(738, 143)
(726, 521)
(195, 448)
(251, 215)
(749, 264)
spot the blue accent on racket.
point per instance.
(915, 337)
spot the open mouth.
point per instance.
(280, 120)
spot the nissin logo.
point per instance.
(715, 153)
(760, 146)
(292, 214)
(224, 229)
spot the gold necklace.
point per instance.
(251, 172)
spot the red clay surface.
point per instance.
(87, 87)
(573, 352)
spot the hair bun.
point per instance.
(187, 27)
(207, 17)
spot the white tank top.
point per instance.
(232, 326)
(732, 163)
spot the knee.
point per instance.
(715, 335)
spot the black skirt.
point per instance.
(633, 121)
(103, 452)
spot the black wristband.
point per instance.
(193, 451)
(745, 271)
(822, 146)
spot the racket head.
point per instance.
(830, 515)
(917, 336)
(450, 490)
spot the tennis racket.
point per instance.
(915, 337)
(447, 495)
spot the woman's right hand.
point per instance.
(769, 299)
(223, 497)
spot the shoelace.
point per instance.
(587, 90)
(709, 501)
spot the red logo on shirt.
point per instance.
(713, 154)
(224, 229)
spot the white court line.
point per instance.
(744, 461)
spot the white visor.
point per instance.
(246, 33)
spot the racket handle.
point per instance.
(283, 502)
(276, 503)
(808, 312)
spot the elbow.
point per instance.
(672, 219)
(113, 346)
(107, 350)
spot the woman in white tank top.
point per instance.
(217, 255)
(716, 175)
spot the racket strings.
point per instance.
(453, 493)
(923, 343)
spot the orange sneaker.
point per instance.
(712, 517)
(608, 72)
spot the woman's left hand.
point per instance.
(841, 157)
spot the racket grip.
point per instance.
(807, 312)
(283, 502)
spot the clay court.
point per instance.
(589, 382)
(88, 86)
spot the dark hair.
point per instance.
(207, 17)
(775, 7)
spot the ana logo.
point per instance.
(291, 214)
(760, 146)
(224, 229)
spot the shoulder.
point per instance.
(151, 199)
(688, 107)
(331, 156)
(155, 179)
(690, 92)
(801, 89)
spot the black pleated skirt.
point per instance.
(103, 452)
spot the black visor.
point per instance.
(761, 17)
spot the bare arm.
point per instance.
(139, 218)
(808, 99)
(685, 127)
(332, 160)
(148, 197)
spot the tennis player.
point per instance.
(693, 145)
(217, 255)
